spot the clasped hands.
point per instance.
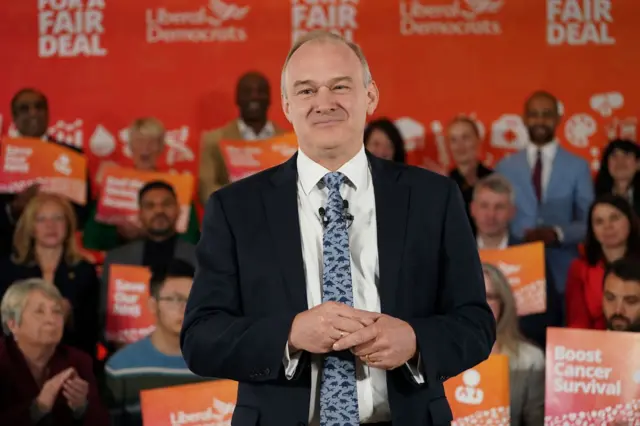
(379, 340)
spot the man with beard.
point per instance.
(621, 300)
(253, 98)
(30, 111)
(159, 212)
(553, 188)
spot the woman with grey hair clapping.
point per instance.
(43, 382)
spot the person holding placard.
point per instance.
(526, 361)
(253, 99)
(158, 215)
(30, 112)
(337, 288)
(613, 232)
(146, 142)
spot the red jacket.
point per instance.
(18, 388)
(584, 295)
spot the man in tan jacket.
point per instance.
(253, 98)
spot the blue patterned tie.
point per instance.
(338, 392)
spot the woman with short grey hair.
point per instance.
(526, 361)
(42, 379)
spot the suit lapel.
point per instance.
(555, 178)
(281, 206)
(525, 172)
(392, 204)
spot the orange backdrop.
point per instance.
(102, 63)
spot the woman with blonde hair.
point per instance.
(526, 361)
(44, 247)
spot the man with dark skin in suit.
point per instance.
(253, 97)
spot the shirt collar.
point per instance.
(548, 151)
(310, 173)
(503, 244)
(247, 132)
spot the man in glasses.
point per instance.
(156, 360)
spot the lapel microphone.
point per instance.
(345, 207)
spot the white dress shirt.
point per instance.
(548, 155)
(248, 134)
(373, 402)
(504, 243)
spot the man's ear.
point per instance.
(373, 97)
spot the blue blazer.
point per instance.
(565, 204)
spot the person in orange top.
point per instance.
(612, 233)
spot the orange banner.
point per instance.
(244, 158)
(524, 267)
(57, 169)
(201, 404)
(128, 316)
(118, 199)
(592, 377)
(480, 395)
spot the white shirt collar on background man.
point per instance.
(548, 152)
(504, 243)
(247, 133)
(310, 173)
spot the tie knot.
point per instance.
(333, 181)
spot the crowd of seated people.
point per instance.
(55, 301)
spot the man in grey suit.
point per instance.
(159, 212)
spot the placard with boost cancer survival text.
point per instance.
(592, 378)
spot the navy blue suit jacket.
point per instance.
(250, 284)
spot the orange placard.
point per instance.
(480, 395)
(208, 403)
(524, 267)
(244, 158)
(128, 315)
(58, 169)
(118, 199)
(592, 377)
